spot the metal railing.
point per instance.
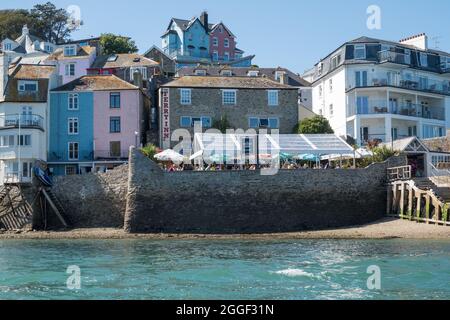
(441, 175)
(400, 108)
(410, 83)
(64, 156)
(111, 155)
(24, 121)
(399, 173)
(395, 57)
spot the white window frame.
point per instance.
(73, 121)
(226, 43)
(68, 69)
(72, 167)
(226, 73)
(186, 97)
(331, 110)
(22, 83)
(215, 42)
(226, 56)
(68, 151)
(360, 47)
(142, 71)
(226, 101)
(273, 98)
(71, 102)
(70, 50)
(269, 119)
(24, 140)
(330, 84)
(253, 73)
(7, 46)
(215, 55)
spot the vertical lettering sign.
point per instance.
(165, 118)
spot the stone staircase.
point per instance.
(443, 193)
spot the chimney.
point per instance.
(25, 30)
(204, 20)
(4, 67)
(419, 41)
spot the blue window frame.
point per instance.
(114, 100)
(114, 124)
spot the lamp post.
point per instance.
(136, 135)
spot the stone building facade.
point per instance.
(246, 102)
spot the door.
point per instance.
(362, 105)
(361, 78)
(365, 134)
(27, 116)
(394, 134)
(114, 149)
(393, 105)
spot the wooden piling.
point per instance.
(410, 202)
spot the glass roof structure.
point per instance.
(294, 144)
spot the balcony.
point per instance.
(411, 83)
(394, 57)
(23, 121)
(83, 156)
(109, 155)
(379, 107)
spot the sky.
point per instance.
(294, 34)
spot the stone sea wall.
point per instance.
(94, 200)
(140, 197)
(247, 202)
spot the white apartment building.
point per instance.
(24, 91)
(380, 91)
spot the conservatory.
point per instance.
(263, 148)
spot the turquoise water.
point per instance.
(319, 269)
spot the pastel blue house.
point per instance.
(190, 42)
(71, 134)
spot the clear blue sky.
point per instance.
(290, 33)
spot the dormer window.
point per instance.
(70, 51)
(27, 86)
(253, 73)
(226, 73)
(360, 52)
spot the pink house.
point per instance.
(73, 61)
(118, 122)
(222, 43)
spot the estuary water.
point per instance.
(179, 269)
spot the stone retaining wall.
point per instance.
(247, 202)
(94, 200)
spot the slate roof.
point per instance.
(293, 79)
(97, 83)
(125, 60)
(226, 82)
(83, 52)
(32, 72)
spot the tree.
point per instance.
(51, 23)
(115, 44)
(150, 150)
(222, 124)
(12, 21)
(314, 125)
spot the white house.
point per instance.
(376, 90)
(23, 118)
